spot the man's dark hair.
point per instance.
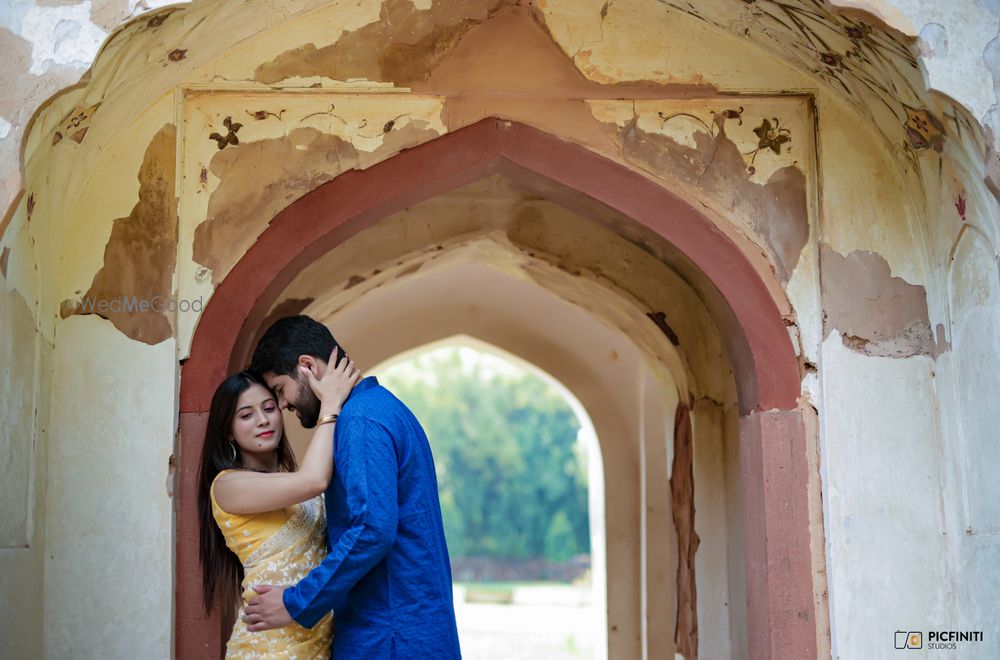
(279, 349)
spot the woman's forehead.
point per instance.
(254, 395)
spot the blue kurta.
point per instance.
(387, 577)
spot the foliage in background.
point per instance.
(511, 474)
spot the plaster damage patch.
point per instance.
(875, 313)
(776, 210)
(682, 506)
(509, 66)
(61, 35)
(139, 258)
(259, 179)
(402, 47)
(23, 94)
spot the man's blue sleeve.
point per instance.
(366, 465)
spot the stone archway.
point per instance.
(773, 430)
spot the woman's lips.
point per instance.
(265, 434)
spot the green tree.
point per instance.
(559, 539)
(510, 474)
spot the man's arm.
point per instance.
(368, 468)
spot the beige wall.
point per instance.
(109, 521)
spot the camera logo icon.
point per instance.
(909, 640)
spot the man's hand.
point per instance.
(266, 610)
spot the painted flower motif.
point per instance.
(772, 137)
(832, 60)
(960, 206)
(923, 129)
(77, 118)
(719, 118)
(230, 137)
(734, 114)
(860, 35)
(158, 20)
(261, 115)
(76, 124)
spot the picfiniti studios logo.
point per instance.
(936, 639)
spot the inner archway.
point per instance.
(522, 491)
(772, 446)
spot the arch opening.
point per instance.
(736, 299)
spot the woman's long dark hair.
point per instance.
(222, 572)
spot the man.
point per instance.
(387, 578)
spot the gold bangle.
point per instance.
(326, 419)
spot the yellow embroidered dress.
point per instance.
(279, 548)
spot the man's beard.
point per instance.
(308, 404)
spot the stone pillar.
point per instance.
(781, 617)
(197, 636)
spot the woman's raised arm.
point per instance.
(245, 492)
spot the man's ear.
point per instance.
(312, 364)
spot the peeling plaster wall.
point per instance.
(846, 187)
(885, 510)
(886, 292)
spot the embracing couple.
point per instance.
(351, 540)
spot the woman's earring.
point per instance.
(232, 446)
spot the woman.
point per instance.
(263, 521)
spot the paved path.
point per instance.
(544, 623)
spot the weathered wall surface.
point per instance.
(863, 200)
(24, 407)
(22, 475)
(109, 520)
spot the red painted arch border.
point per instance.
(778, 567)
